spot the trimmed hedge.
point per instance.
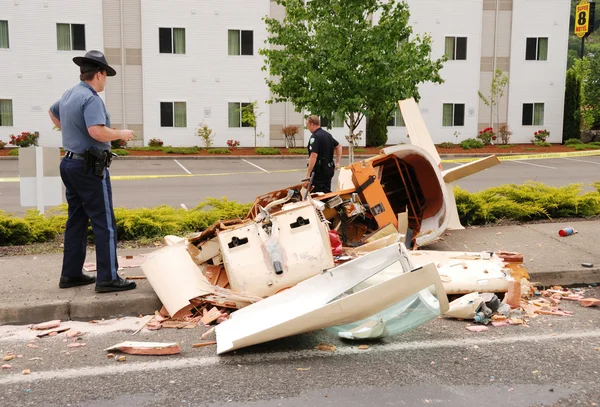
(530, 201)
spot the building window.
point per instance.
(6, 112)
(173, 114)
(235, 114)
(456, 48)
(240, 42)
(397, 120)
(533, 114)
(453, 114)
(537, 49)
(171, 40)
(4, 34)
(336, 121)
(70, 37)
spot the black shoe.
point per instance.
(115, 285)
(68, 282)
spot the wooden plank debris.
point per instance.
(146, 348)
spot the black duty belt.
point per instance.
(75, 156)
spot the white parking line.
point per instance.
(535, 165)
(582, 161)
(203, 361)
(185, 169)
(254, 165)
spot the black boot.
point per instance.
(68, 282)
(115, 285)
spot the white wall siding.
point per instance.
(538, 81)
(205, 77)
(34, 73)
(441, 19)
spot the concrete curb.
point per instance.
(133, 303)
(81, 308)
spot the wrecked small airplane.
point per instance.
(300, 262)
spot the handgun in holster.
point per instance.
(98, 160)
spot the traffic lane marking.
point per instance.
(305, 354)
(254, 165)
(182, 167)
(535, 165)
(582, 161)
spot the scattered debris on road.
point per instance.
(47, 325)
(146, 348)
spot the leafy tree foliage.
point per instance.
(352, 57)
(572, 114)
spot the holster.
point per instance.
(98, 160)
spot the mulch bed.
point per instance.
(495, 149)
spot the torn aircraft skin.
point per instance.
(299, 261)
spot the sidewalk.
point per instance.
(29, 290)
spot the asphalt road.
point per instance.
(243, 179)
(555, 361)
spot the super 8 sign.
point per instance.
(582, 18)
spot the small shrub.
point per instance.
(25, 139)
(14, 152)
(471, 143)
(530, 149)
(581, 147)
(540, 136)
(219, 151)
(267, 151)
(359, 150)
(232, 144)
(2, 144)
(595, 143)
(206, 134)
(181, 150)
(506, 146)
(299, 151)
(505, 134)
(116, 144)
(447, 144)
(572, 141)
(289, 132)
(486, 135)
(120, 152)
(155, 142)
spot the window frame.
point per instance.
(454, 104)
(241, 122)
(393, 122)
(7, 35)
(12, 114)
(241, 42)
(536, 51)
(455, 49)
(172, 40)
(72, 37)
(172, 103)
(533, 105)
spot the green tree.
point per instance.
(572, 114)
(497, 87)
(592, 92)
(377, 129)
(250, 115)
(329, 56)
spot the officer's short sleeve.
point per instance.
(335, 142)
(93, 112)
(316, 146)
(54, 109)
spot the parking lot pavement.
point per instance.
(187, 181)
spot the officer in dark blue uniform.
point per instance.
(86, 135)
(321, 146)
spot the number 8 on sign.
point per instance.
(582, 12)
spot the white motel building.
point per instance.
(185, 62)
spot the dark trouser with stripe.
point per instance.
(89, 198)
